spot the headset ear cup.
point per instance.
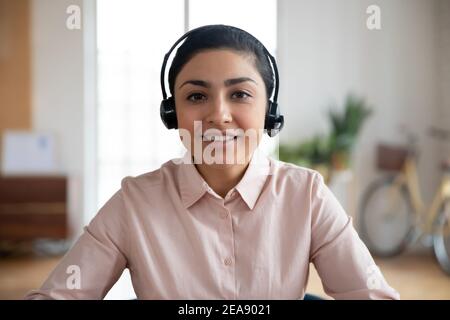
(168, 113)
(274, 121)
(267, 122)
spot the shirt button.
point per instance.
(224, 215)
(228, 261)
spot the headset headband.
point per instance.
(187, 34)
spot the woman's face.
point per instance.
(217, 92)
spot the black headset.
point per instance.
(274, 122)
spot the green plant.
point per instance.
(345, 128)
(333, 150)
(310, 152)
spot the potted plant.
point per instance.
(313, 153)
(345, 128)
(332, 152)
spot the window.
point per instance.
(132, 38)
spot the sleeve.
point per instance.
(96, 260)
(342, 260)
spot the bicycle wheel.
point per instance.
(441, 238)
(385, 218)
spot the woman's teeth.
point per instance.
(218, 138)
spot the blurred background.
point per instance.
(79, 110)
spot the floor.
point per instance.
(414, 275)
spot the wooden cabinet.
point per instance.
(33, 207)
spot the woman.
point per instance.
(225, 222)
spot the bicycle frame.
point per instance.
(409, 178)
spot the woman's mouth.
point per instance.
(218, 138)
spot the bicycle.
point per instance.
(393, 214)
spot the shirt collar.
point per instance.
(254, 179)
(193, 186)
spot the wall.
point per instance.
(326, 51)
(444, 70)
(58, 92)
(64, 102)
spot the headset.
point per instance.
(274, 121)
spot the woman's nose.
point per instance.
(219, 112)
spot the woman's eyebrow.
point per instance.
(196, 83)
(231, 82)
(228, 82)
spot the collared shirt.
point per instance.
(180, 240)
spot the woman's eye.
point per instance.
(196, 97)
(240, 95)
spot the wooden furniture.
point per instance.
(15, 65)
(33, 207)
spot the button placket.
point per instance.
(228, 236)
(228, 261)
(224, 215)
(227, 250)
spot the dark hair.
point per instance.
(222, 37)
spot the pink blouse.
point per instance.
(180, 240)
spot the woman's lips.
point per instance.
(224, 138)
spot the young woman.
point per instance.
(224, 222)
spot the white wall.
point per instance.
(444, 69)
(64, 103)
(325, 51)
(58, 92)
